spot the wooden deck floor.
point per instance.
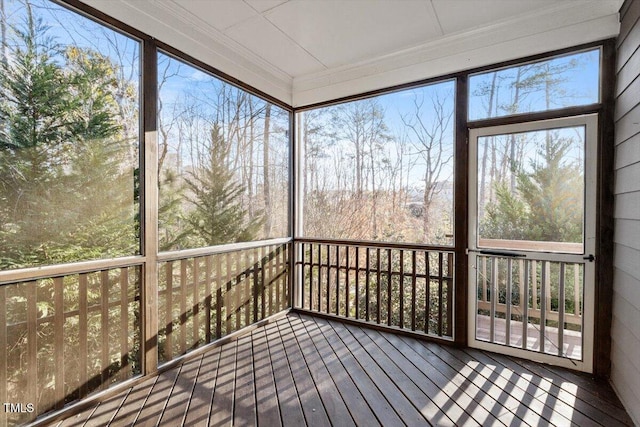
(304, 370)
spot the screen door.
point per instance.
(532, 240)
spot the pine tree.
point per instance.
(548, 202)
(66, 192)
(66, 185)
(32, 144)
(507, 217)
(553, 192)
(100, 175)
(218, 216)
(172, 235)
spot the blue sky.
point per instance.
(579, 84)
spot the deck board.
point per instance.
(516, 384)
(533, 412)
(134, 402)
(507, 406)
(244, 408)
(286, 392)
(579, 393)
(477, 407)
(332, 400)
(354, 400)
(392, 383)
(312, 406)
(266, 397)
(202, 397)
(443, 410)
(157, 401)
(551, 394)
(399, 374)
(78, 419)
(303, 370)
(224, 392)
(376, 400)
(178, 402)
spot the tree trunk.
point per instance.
(374, 197)
(512, 140)
(265, 171)
(359, 167)
(426, 202)
(3, 33)
(492, 168)
(248, 163)
(483, 167)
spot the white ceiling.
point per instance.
(305, 51)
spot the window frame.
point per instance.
(299, 203)
(173, 54)
(539, 59)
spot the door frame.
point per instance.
(590, 121)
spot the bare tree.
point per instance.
(398, 166)
(433, 142)
(362, 126)
(491, 93)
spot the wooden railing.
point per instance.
(65, 337)
(400, 286)
(531, 245)
(204, 298)
(545, 296)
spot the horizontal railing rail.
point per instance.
(530, 245)
(65, 337)
(406, 287)
(212, 250)
(206, 297)
(375, 244)
(8, 277)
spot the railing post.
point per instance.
(105, 285)
(58, 322)
(149, 205)
(450, 310)
(296, 201)
(3, 348)
(356, 301)
(125, 367)
(83, 352)
(461, 188)
(32, 348)
(561, 304)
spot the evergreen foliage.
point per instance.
(218, 216)
(65, 189)
(547, 204)
(171, 232)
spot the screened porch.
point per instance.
(196, 229)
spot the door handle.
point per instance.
(589, 258)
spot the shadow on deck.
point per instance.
(303, 370)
